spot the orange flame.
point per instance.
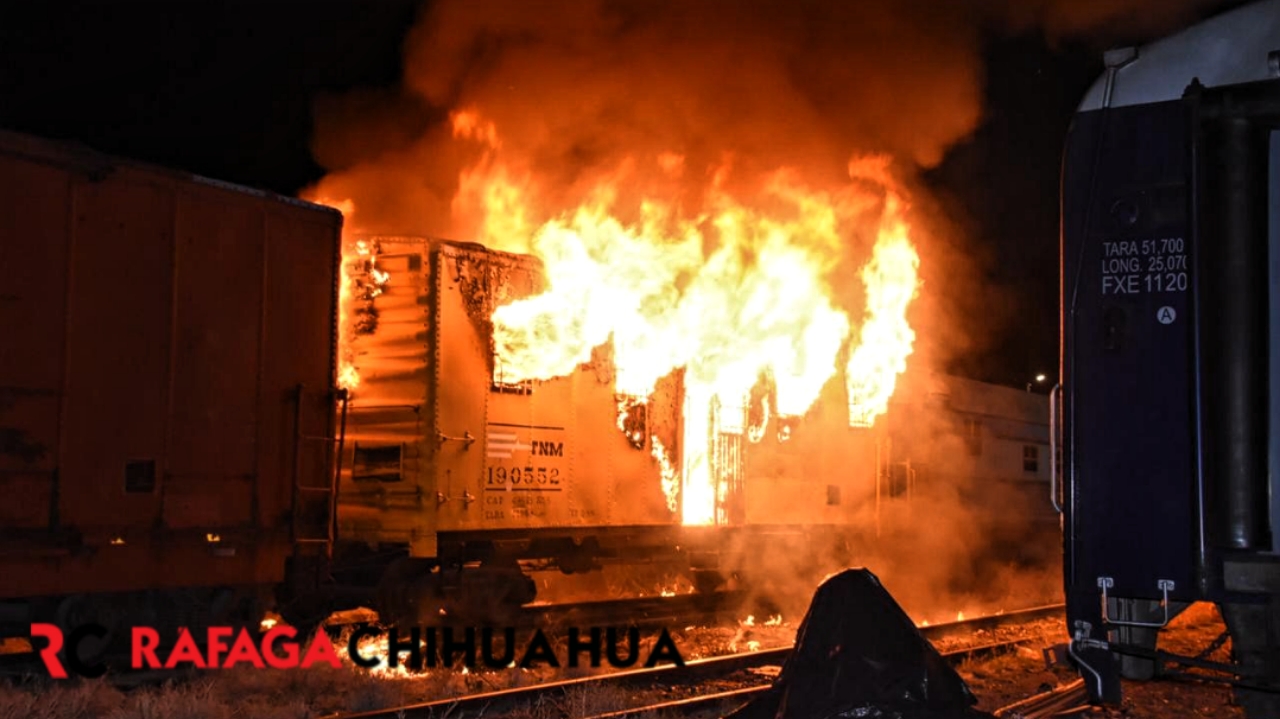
(739, 290)
(670, 479)
(348, 376)
(732, 294)
(886, 339)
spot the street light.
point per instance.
(1040, 378)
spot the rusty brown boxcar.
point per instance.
(155, 328)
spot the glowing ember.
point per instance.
(750, 621)
(959, 616)
(356, 264)
(679, 586)
(774, 621)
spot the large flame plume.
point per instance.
(690, 195)
(580, 88)
(743, 289)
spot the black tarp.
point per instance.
(859, 655)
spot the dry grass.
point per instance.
(41, 700)
(575, 703)
(300, 694)
(287, 694)
(277, 694)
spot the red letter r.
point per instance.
(49, 655)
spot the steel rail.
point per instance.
(705, 702)
(693, 672)
(628, 611)
(1047, 704)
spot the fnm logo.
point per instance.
(548, 449)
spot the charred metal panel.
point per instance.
(461, 383)
(597, 447)
(598, 492)
(382, 500)
(664, 423)
(615, 481)
(637, 495)
(813, 469)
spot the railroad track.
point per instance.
(680, 609)
(694, 673)
(669, 609)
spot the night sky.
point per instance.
(1002, 186)
(227, 91)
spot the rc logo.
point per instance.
(49, 653)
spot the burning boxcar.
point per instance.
(470, 479)
(448, 458)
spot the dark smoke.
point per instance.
(576, 89)
(578, 86)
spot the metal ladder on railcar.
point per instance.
(299, 529)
